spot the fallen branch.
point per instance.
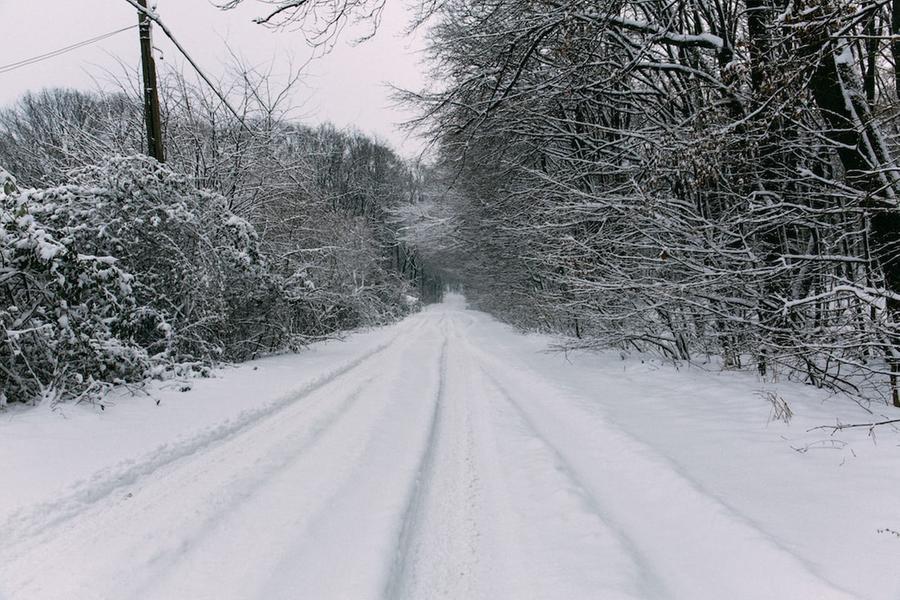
(841, 426)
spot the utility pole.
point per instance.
(155, 146)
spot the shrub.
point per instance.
(123, 271)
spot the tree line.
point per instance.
(690, 177)
(254, 237)
(696, 178)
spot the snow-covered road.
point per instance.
(434, 463)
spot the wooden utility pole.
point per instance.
(155, 146)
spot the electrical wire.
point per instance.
(54, 53)
(154, 16)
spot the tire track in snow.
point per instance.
(412, 514)
(451, 547)
(633, 471)
(237, 494)
(644, 582)
(345, 548)
(593, 410)
(209, 499)
(31, 521)
(296, 497)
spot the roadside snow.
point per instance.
(828, 500)
(449, 456)
(47, 451)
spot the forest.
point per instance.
(712, 181)
(612, 311)
(696, 178)
(255, 236)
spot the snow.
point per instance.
(449, 456)
(704, 39)
(845, 56)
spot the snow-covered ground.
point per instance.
(449, 456)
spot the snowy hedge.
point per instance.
(65, 314)
(126, 271)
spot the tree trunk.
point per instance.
(864, 156)
(895, 43)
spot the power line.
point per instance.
(155, 146)
(153, 16)
(54, 53)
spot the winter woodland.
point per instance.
(712, 181)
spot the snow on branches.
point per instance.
(128, 271)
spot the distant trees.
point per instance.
(686, 177)
(690, 177)
(48, 133)
(254, 237)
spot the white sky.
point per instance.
(346, 87)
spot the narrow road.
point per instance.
(433, 466)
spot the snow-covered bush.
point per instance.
(123, 271)
(64, 315)
(291, 243)
(189, 253)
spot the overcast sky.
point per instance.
(346, 87)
